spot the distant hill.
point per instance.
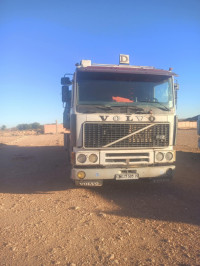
(194, 118)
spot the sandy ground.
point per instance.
(45, 220)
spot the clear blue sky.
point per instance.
(42, 40)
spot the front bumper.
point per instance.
(111, 173)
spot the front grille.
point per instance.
(100, 135)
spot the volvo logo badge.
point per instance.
(151, 118)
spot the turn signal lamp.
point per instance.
(81, 174)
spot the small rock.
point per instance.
(127, 232)
(116, 261)
(102, 214)
(164, 240)
(111, 257)
(74, 208)
(182, 247)
(187, 255)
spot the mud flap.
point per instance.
(89, 183)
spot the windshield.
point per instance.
(137, 90)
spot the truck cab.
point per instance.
(122, 121)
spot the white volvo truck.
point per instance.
(122, 121)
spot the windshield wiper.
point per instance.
(135, 108)
(162, 106)
(126, 108)
(93, 108)
(103, 107)
(130, 108)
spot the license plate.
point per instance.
(127, 176)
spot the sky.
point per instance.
(42, 40)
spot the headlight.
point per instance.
(168, 156)
(81, 158)
(159, 156)
(93, 158)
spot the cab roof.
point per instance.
(126, 69)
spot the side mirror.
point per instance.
(176, 86)
(66, 81)
(66, 94)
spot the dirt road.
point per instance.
(44, 220)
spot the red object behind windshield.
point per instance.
(121, 100)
